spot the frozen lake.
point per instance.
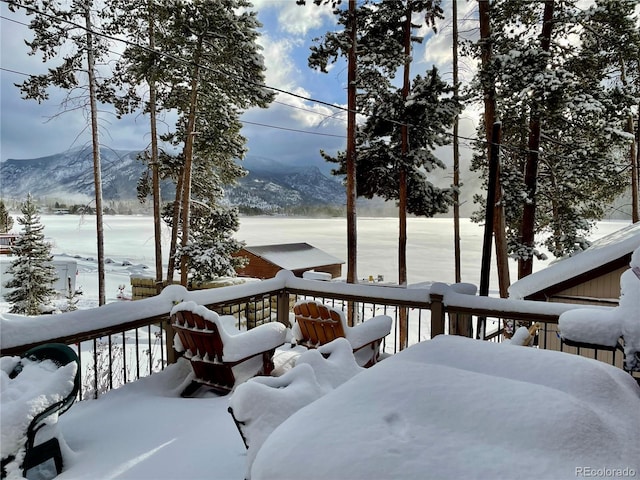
(129, 240)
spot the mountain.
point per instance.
(71, 174)
(270, 186)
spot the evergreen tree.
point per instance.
(141, 66)
(428, 111)
(402, 126)
(6, 221)
(210, 253)
(217, 72)
(561, 128)
(32, 272)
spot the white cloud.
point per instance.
(312, 115)
(281, 69)
(297, 19)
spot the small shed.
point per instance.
(267, 260)
(591, 277)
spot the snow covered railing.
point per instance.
(117, 323)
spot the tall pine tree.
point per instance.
(64, 32)
(218, 72)
(402, 126)
(561, 128)
(33, 274)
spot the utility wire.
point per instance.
(168, 55)
(294, 130)
(260, 85)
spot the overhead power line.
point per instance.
(229, 74)
(294, 130)
(167, 55)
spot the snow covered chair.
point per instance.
(40, 386)
(259, 405)
(613, 330)
(221, 355)
(317, 324)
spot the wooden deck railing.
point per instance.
(121, 342)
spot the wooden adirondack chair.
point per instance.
(318, 324)
(221, 355)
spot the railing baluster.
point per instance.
(163, 333)
(95, 368)
(124, 357)
(149, 352)
(79, 349)
(110, 363)
(137, 357)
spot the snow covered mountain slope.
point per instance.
(270, 185)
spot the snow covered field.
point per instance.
(129, 246)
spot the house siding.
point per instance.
(601, 290)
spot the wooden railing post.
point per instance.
(437, 314)
(283, 308)
(404, 328)
(460, 324)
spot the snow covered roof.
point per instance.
(294, 256)
(606, 254)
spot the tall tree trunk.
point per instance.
(527, 234)
(97, 170)
(155, 175)
(175, 226)
(352, 226)
(633, 158)
(402, 190)
(489, 91)
(456, 151)
(188, 160)
(402, 180)
(352, 243)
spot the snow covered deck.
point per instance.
(145, 430)
(455, 407)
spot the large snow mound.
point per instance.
(459, 408)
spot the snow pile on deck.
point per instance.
(454, 407)
(263, 403)
(587, 326)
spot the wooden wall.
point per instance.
(257, 267)
(602, 290)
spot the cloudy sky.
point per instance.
(292, 129)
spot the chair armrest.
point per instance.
(369, 331)
(229, 323)
(260, 339)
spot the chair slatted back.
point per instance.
(198, 334)
(318, 323)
